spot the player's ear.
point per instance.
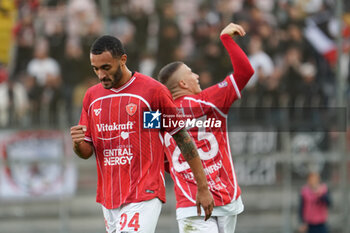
(183, 84)
(123, 59)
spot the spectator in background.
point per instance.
(79, 93)
(292, 77)
(71, 75)
(205, 79)
(24, 35)
(140, 19)
(185, 30)
(13, 103)
(310, 89)
(201, 28)
(261, 62)
(34, 93)
(124, 29)
(168, 36)
(147, 64)
(47, 72)
(314, 203)
(82, 17)
(52, 19)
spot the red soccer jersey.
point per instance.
(129, 158)
(211, 107)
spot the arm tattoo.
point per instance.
(186, 145)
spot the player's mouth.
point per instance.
(105, 81)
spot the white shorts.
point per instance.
(141, 217)
(216, 224)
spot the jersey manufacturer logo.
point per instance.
(223, 84)
(149, 191)
(131, 108)
(97, 111)
(151, 120)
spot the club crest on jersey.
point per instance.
(97, 111)
(131, 109)
(222, 84)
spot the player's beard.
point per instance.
(115, 80)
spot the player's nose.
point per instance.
(100, 74)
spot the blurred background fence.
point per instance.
(292, 117)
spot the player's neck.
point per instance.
(127, 74)
(177, 93)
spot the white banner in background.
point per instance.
(35, 165)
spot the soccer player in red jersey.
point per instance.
(129, 151)
(206, 112)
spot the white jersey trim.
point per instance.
(161, 138)
(125, 85)
(117, 95)
(207, 103)
(162, 176)
(235, 86)
(232, 167)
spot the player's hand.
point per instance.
(204, 199)
(78, 134)
(233, 29)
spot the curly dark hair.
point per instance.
(108, 43)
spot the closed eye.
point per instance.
(103, 67)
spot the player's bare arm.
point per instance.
(190, 153)
(82, 148)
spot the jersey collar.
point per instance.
(125, 85)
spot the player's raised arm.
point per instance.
(189, 152)
(241, 65)
(82, 148)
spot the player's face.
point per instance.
(190, 79)
(107, 68)
(314, 179)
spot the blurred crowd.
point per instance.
(290, 43)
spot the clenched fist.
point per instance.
(233, 29)
(78, 134)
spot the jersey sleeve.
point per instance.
(225, 93)
(167, 107)
(84, 117)
(242, 68)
